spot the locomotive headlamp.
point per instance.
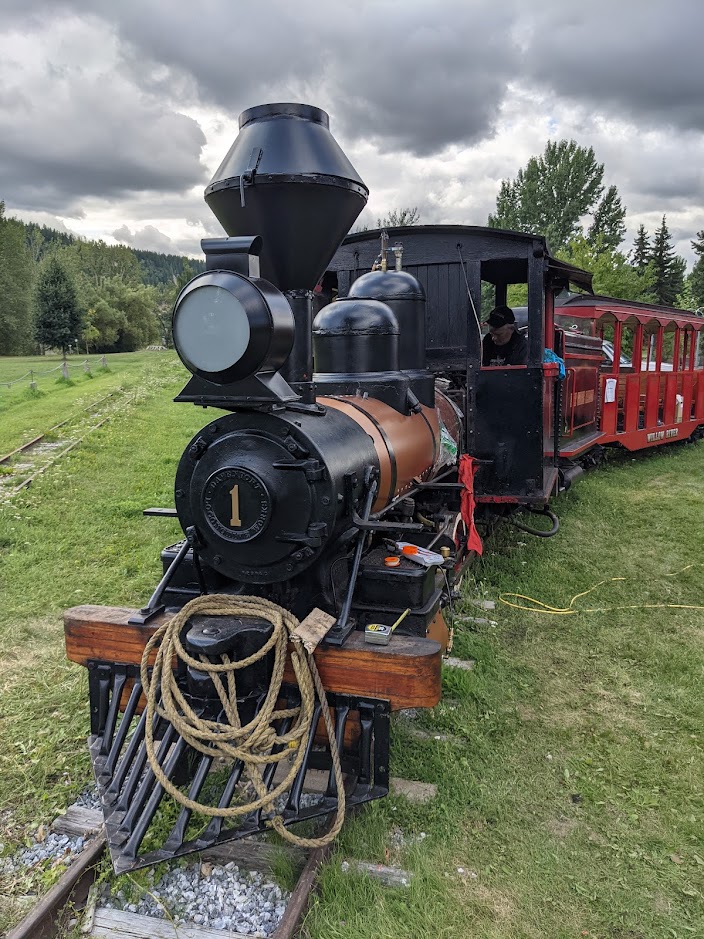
(211, 328)
(227, 326)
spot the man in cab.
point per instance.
(503, 344)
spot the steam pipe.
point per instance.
(359, 547)
(298, 367)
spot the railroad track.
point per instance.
(74, 443)
(33, 447)
(57, 910)
(51, 914)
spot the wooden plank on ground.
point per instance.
(254, 855)
(78, 821)
(388, 876)
(465, 664)
(421, 734)
(119, 924)
(413, 790)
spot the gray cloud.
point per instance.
(425, 82)
(42, 218)
(640, 60)
(148, 238)
(670, 174)
(412, 81)
(70, 130)
(188, 207)
(96, 117)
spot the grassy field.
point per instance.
(26, 412)
(571, 787)
(570, 760)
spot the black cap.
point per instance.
(501, 316)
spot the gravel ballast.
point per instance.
(204, 893)
(54, 848)
(213, 895)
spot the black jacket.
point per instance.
(514, 352)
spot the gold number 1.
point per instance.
(235, 521)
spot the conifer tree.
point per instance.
(640, 255)
(696, 278)
(667, 266)
(59, 318)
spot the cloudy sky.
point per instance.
(114, 114)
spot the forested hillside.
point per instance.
(60, 291)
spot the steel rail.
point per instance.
(300, 897)
(45, 920)
(30, 479)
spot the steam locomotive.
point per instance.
(357, 446)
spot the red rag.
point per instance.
(467, 468)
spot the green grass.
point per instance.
(572, 804)
(77, 535)
(45, 366)
(569, 791)
(25, 412)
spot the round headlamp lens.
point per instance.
(211, 329)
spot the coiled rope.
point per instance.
(252, 742)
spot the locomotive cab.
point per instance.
(515, 404)
(512, 413)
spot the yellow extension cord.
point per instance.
(545, 608)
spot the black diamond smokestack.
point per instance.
(286, 179)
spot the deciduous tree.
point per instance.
(166, 298)
(95, 262)
(15, 288)
(686, 300)
(398, 218)
(613, 275)
(553, 194)
(122, 314)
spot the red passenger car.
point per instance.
(635, 375)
